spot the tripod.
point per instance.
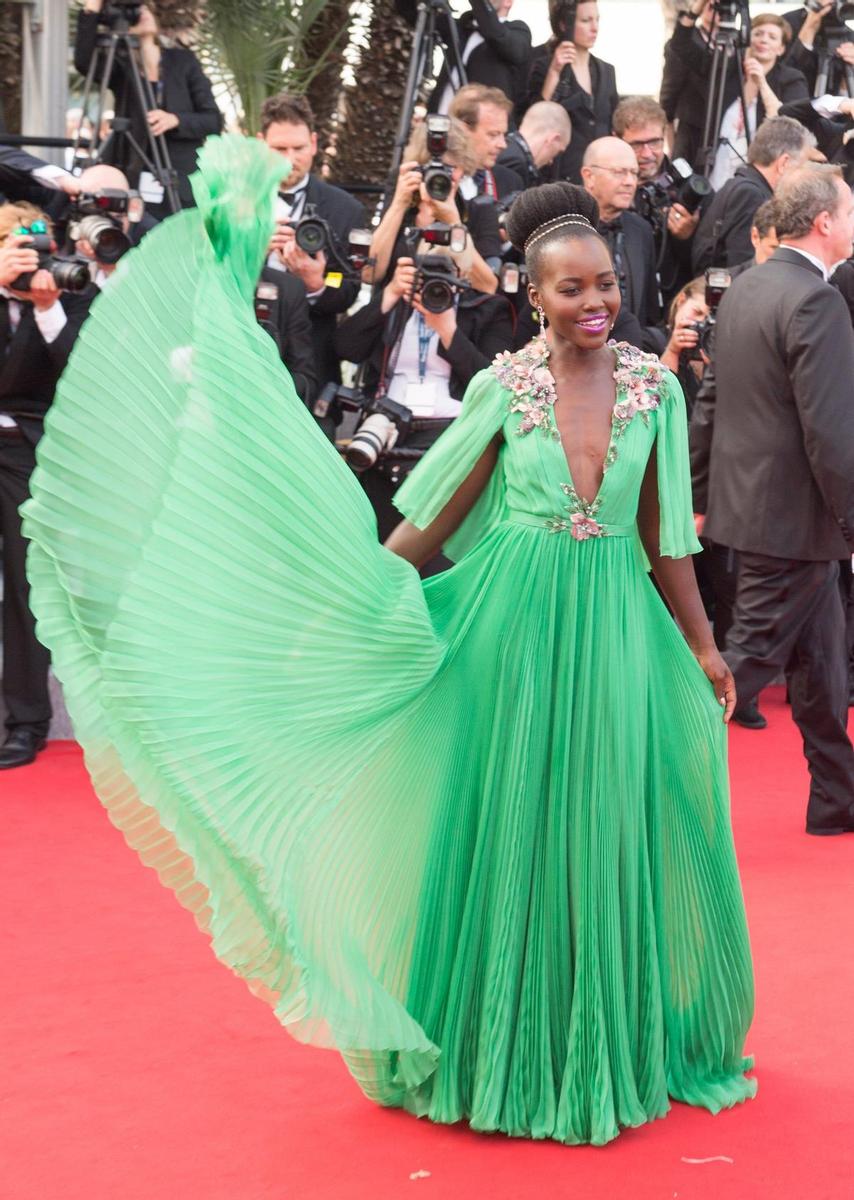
(728, 45)
(427, 38)
(118, 40)
(832, 71)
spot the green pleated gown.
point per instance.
(471, 832)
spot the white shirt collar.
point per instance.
(816, 262)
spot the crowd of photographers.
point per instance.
(383, 324)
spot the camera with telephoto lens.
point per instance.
(437, 175)
(384, 422)
(717, 282)
(680, 186)
(842, 11)
(69, 274)
(96, 218)
(438, 282)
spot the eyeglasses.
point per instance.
(618, 172)
(653, 143)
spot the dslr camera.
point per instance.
(69, 274)
(384, 423)
(842, 11)
(717, 282)
(97, 218)
(313, 234)
(683, 186)
(437, 175)
(438, 281)
(120, 14)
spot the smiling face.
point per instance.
(576, 285)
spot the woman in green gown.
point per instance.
(473, 832)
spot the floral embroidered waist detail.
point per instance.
(579, 525)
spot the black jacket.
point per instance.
(501, 59)
(688, 64)
(484, 329)
(289, 324)
(342, 213)
(517, 158)
(723, 235)
(843, 281)
(591, 116)
(781, 453)
(30, 367)
(633, 249)
(184, 90)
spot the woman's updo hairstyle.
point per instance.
(533, 211)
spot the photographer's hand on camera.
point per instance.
(683, 340)
(16, 259)
(680, 223)
(401, 284)
(311, 269)
(42, 292)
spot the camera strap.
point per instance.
(425, 337)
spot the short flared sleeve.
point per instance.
(677, 536)
(447, 464)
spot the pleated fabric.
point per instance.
(472, 833)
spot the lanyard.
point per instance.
(425, 336)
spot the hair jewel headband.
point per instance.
(553, 224)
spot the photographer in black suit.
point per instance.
(723, 238)
(37, 330)
(809, 31)
(564, 70)
(495, 51)
(186, 111)
(287, 126)
(781, 476)
(610, 173)
(543, 135)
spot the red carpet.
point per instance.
(136, 1068)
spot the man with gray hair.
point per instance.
(723, 238)
(781, 476)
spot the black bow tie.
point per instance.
(615, 226)
(290, 197)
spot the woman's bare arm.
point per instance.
(676, 578)
(418, 546)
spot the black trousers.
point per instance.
(25, 660)
(788, 617)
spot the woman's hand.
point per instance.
(564, 56)
(720, 677)
(444, 323)
(408, 183)
(812, 23)
(160, 121)
(400, 285)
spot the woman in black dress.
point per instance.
(564, 70)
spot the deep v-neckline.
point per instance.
(606, 458)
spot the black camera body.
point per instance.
(842, 11)
(438, 281)
(314, 234)
(97, 218)
(682, 186)
(437, 175)
(384, 422)
(717, 282)
(69, 274)
(120, 14)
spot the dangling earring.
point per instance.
(541, 317)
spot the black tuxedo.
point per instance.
(591, 116)
(517, 158)
(16, 176)
(343, 213)
(29, 371)
(632, 247)
(500, 60)
(290, 328)
(723, 235)
(781, 492)
(688, 63)
(184, 90)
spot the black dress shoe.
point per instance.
(749, 716)
(831, 831)
(20, 748)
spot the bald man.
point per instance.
(610, 173)
(544, 134)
